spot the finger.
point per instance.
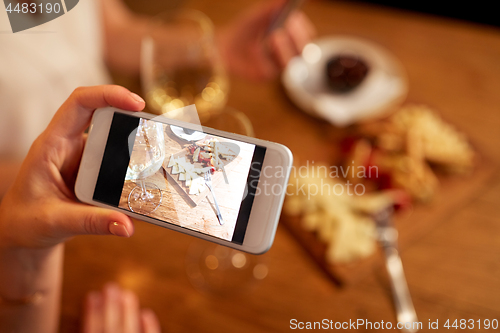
(73, 117)
(307, 24)
(113, 317)
(150, 322)
(71, 219)
(92, 316)
(265, 67)
(262, 15)
(299, 29)
(130, 312)
(282, 47)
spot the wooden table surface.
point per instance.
(452, 268)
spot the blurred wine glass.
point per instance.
(180, 65)
(217, 269)
(145, 160)
(223, 271)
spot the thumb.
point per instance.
(80, 219)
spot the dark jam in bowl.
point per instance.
(188, 131)
(345, 72)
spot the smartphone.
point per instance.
(218, 186)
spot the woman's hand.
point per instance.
(40, 209)
(247, 50)
(114, 310)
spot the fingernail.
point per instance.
(111, 287)
(137, 98)
(118, 229)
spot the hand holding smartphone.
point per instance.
(218, 186)
(283, 13)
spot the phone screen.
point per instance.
(192, 179)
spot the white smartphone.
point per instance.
(218, 186)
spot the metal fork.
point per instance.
(208, 182)
(388, 236)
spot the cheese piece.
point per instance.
(196, 186)
(175, 169)
(196, 154)
(171, 162)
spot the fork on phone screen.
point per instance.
(208, 182)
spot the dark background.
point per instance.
(479, 11)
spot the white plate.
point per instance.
(384, 87)
(179, 131)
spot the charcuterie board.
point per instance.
(184, 172)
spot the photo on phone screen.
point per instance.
(177, 175)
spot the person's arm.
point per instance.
(244, 47)
(123, 32)
(39, 213)
(30, 286)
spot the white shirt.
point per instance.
(40, 67)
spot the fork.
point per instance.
(208, 182)
(388, 236)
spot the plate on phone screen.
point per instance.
(187, 134)
(384, 87)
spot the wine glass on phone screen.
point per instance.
(146, 159)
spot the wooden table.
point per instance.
(453, 268)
